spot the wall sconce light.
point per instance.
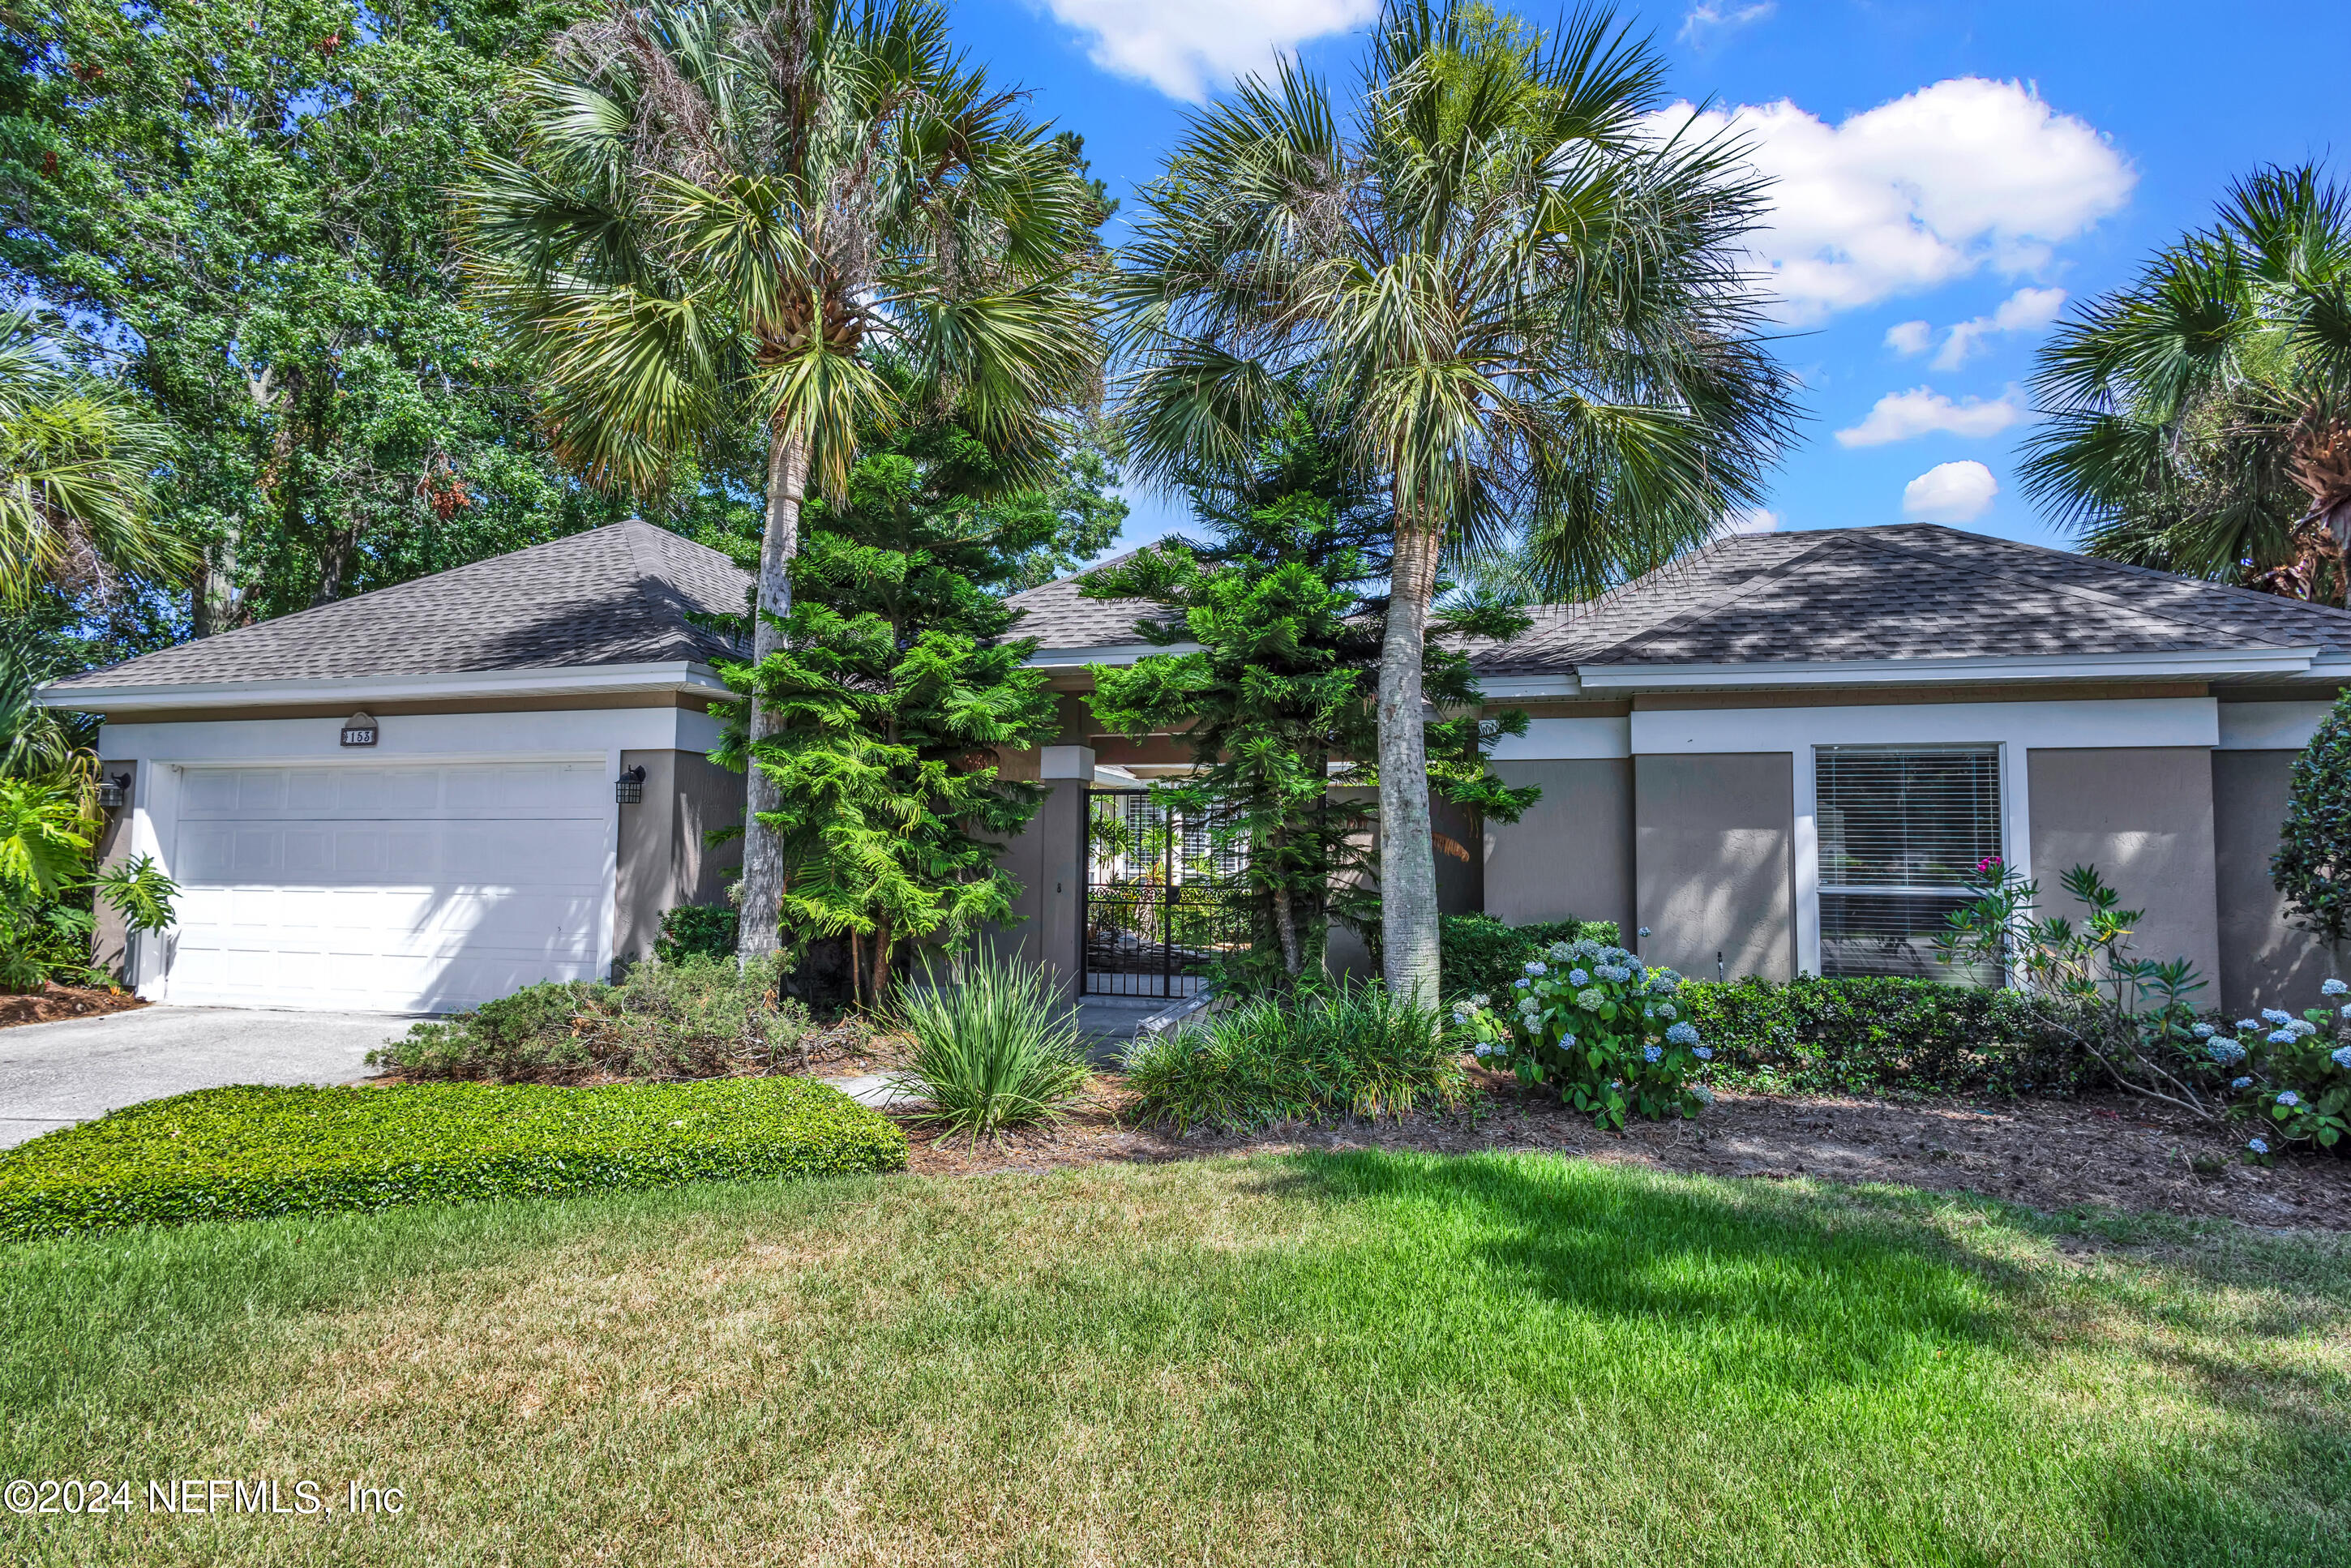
(112, 792)
(629, 789)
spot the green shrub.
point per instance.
(1480, 952)
(1350, 1051)
(696, 1018)
(251, 1153)
(1874, 1033)
(2289, 1077)
(696, 930)
(1595, 1023)
(995, 1048)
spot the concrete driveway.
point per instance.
(55, 1074)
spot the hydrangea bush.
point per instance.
(2291, 1075)
(1598, 1024)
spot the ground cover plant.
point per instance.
(255, 1152)
(699, 1016)
(1355, 1050)
(995, 1048)
(1359, 1359)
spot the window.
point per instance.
(1901, 833)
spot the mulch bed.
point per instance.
(54, 1001)
(2049, 1155)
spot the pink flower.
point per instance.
(1986, 864)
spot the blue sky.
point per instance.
(1942, 166)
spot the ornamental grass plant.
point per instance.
(1352, 1051)
(996, 1048)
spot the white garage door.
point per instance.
(414, 888)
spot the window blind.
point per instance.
(1901, 833)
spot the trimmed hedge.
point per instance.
(253, 1153)
(696, 930)
(1479, 953)
(1834, 1036)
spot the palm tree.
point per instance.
(715, 213)
(1523, 286)
(2200, 419)
(75, 461)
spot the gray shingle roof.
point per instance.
(613, 595)
(1912, 590)
(1057, 617)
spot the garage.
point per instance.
(416, 888)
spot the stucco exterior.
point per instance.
(1713, 839)
(2143, 817)
(1572, 853)
(664, 859)
(2264, 961)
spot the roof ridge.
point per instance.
(1750, 584)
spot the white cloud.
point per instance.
(1909, 337)
(1751, 520)
(1949, 493)
(1702, 22)
(1958, 176)
(1186, 48)
(1922, 410)
(2021, 311)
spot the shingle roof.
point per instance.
(613, 595)
(1057, 617)
(1911, 590)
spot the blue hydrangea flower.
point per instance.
(1644, 931)
(2240, 1084)
(1664, 1010)
(1617, 972)
(2342, 1058)
(1592, 997)
(1683, 1034)
(2225, 1051)
(2249, 1023)
(1484, 1050)
(1579, 977)
(2276, 1015)
(2347, 1011)
(2282, 1037)
(1535, 967)
(1703, 1053)
(1481, 1000)
(1560, 952)
(2258, 1146)
(1652, 1052)
(1522, 984)
(2288, 1098)
(2202, 1031)
(2332, 989)
(1567, 1042)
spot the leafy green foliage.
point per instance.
(2292, 1075)
(2312, 863)
(249, 202)
(1888, 1034)
(894, 689)
(695, 930)
(1278, 703)
(1480, 952)
(701, 1016)
(996, 1048)
(1318, 1053)
(1596, 1023)
(251, 1153)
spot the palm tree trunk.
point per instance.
(1407, 860)
(759, 933)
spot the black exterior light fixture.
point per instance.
(113, 791)
(628, 788)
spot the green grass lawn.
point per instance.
(1349, 1359)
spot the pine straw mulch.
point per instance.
(2049, 1154)
(54, 1001)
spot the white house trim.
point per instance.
(1934, 672)
(415, 738)
(570, 680)
(1105, 653)
(1548, 739)
(2271, 726)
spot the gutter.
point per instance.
(2172, 665)
(566, 680)
(1105, 653)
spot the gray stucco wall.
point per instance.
(1044, 860)
(1572, 853)
(1714, 837)
(2264, 962)
(663, 860)
(2143, 816)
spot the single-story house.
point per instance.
(1781, 753)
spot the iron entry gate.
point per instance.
(1160, 902)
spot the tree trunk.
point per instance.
(759, 929)
(1408, 860)
(1285, 915)
(335, 550)
(881, 962)
(216, 598)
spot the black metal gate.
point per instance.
(1161, 902)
